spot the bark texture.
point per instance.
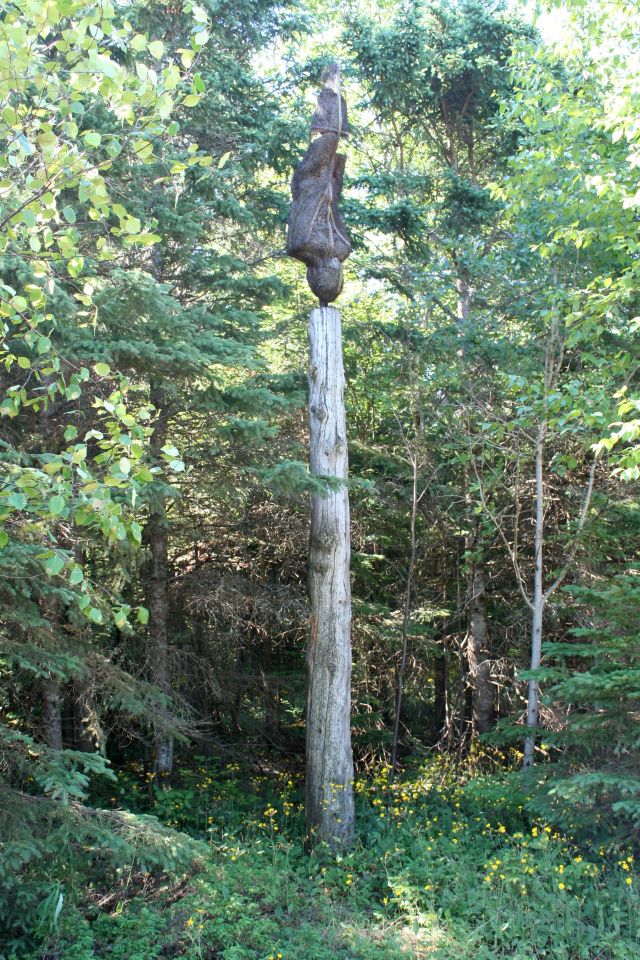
(477, 645)
(478, 654)
(329, 782)
(88, 734)
(477, 638)
(441, 694)
(405, 617)
(156, 537)
(537, 606)
(52, 713)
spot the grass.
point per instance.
(445, 867)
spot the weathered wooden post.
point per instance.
(317, 236)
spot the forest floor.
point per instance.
(446, 866)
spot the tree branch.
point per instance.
(574, 549)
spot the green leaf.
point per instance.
(142, 240)
(200, 38)
(56, 505)
(102, 369)
(156, 49)
(131, 225)
(142, 615)
(54, 565)
(73, 391)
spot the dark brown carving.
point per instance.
(316, 234)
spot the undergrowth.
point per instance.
(445, 866)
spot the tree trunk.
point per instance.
(405, 616)
(156, 536)
(537, 607)
(441, 695)
(463, 306)
(477, 628)
(478, 652)
(477, 645)
(329, 783)
(88, 734)
(269, 690)
(52, 713)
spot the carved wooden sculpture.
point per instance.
(316, 234)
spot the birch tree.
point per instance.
(571, 195)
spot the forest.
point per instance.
(319, 479)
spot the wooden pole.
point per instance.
(329, 781)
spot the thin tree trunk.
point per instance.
(52, 713)
(463, 306)
(477, 645)
(537, 606)
(51, 689)
(329, 783)
(235, 701)
(477, 638)
(200, 649)
(269, 690)
(405, 616)
(482, 688)
(441, 695)
(156, 536)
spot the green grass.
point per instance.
(444, 867)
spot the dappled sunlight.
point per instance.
(319, 619)
(446, 861)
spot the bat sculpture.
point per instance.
(316, 234)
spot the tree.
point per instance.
(180, 318)
(582, 242)
(70, 489)
(595, 676)
(434, 77)
(55, 203)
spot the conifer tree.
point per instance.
(180, 318)
(434, 77)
